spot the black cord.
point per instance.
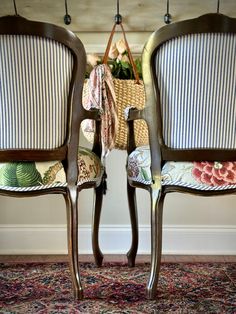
(118, 17)
(218, 6)
(167, 16)
(67, 17)
(16, 13)
(118, 7)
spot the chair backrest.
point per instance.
(40, 66)
(192, 65)
(33, 76)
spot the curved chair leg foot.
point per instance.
(151, 293)
(98, 256)
(131, 258)
(78, 294)
(72, 230)
(131, 255)
(157, 199)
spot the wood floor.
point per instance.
(117, 258)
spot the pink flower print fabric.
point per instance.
(215, 173)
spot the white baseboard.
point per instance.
(115, 239)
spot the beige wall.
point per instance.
(140, 18)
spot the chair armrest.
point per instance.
(97, 143)
(131, 114)
(93, 113)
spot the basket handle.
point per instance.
(105, 58)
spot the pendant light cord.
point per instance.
(167, 16)
(118, 17)
(67, 17)
(218, 6)
(15, 8)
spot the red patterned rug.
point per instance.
(116, 288)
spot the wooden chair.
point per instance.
(42, 68)
(189, 71)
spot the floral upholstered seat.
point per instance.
(196, 175)
(26, 176)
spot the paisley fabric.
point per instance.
(196, 175)
(101, 95)
(26, 176)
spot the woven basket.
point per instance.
(128, 93)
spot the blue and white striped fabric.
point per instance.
(35, 74)
(197, 81)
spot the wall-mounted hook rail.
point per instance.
(167, 16)
(67, 17)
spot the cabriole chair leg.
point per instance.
(72, 230)
(157, 200)
(131, 255)
(98, 198)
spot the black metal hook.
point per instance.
(14, 3)
(167, 16)
(67, 17)
(218, 6)
(118, 17)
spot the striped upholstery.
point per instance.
(197, 81)
(35, 74)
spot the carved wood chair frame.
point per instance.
(68, 152)
(160, 153)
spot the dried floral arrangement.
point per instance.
(118, 62)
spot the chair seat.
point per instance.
(196, 175)
(27, 176)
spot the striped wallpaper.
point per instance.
(35, 75)
(197, 80)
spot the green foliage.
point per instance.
(120, 69)
(123, 69)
